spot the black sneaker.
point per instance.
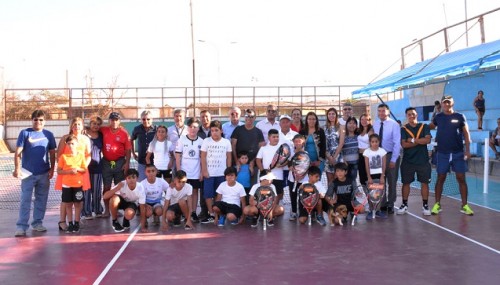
(194, 218)
(117, 227)
(76, 227)
(255, 222)
(270, 223)
(70, 228)
(126, 224)
(208, 220)
(177, 221)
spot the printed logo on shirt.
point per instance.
(192, 153)
(454, 121)
(32, 140)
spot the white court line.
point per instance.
(115, 258)
(475, 204)
(455, 233)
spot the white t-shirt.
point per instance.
(174, 195)
(155, 191)
(264, 126)
(255, 186)
(231, 194)
(266, 153)
(161, 154)
(216, 155)
(364, 141)
(375, 159)
(137, 195)
(190, 156)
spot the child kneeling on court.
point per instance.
(230, 195)
(178, 202)
(125, 196)
(155, 188)
(314, 175)
(340, 191)
(71, 167)
(266, 179)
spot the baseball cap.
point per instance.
(270, 176)
(285, 117)
(447, 98)
(114, 115)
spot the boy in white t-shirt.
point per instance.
(215, 157)
(155, 189)
(265, 157)
(177, 202)
(188, 158)
(266, 179)
(125, 196)
(230, 199)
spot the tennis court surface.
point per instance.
(410, 249)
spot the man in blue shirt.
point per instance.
(34, 162)
(390, 140)
(452, 131)
(234, 121)
(144, 134)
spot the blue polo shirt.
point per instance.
(144, 138)
(36, 146)
(449, 135)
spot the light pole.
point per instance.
(192, 53)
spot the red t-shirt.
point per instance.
(115, 145)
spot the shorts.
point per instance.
(175, 208)
(196, 183)
(278, 184)
(165, 174)
(124, 204)
(72, 194)
(210, 186)
(154, 206)
(226, 208)
(408, 171)
(455, 160)
(112, 174)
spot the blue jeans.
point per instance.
(141, 168)
(41, 184)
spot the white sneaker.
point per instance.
(426, 211)
(402, 210)
(293, 216)
(39, 228)
(20, 233)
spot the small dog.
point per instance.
(336, 217)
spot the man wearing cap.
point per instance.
(116, 152)
(144, 133)
(234, 121)
(269, 122)
(286, 136)
(452, 132)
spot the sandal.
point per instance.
(62, 228)
(187, 228)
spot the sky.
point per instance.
(237, 42)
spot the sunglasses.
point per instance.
(347, 109)
(249, 117)
(38, 120)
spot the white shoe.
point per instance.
(402, 210)
(293, 217)
(426, 211)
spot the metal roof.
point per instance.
(453, 64)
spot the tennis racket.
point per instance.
(281, 156)
(265, 199)
(309, 197)
(375, 195)
(359, 201)
(300, 165)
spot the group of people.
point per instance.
(220, 166)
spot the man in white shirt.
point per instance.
(269, 122)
